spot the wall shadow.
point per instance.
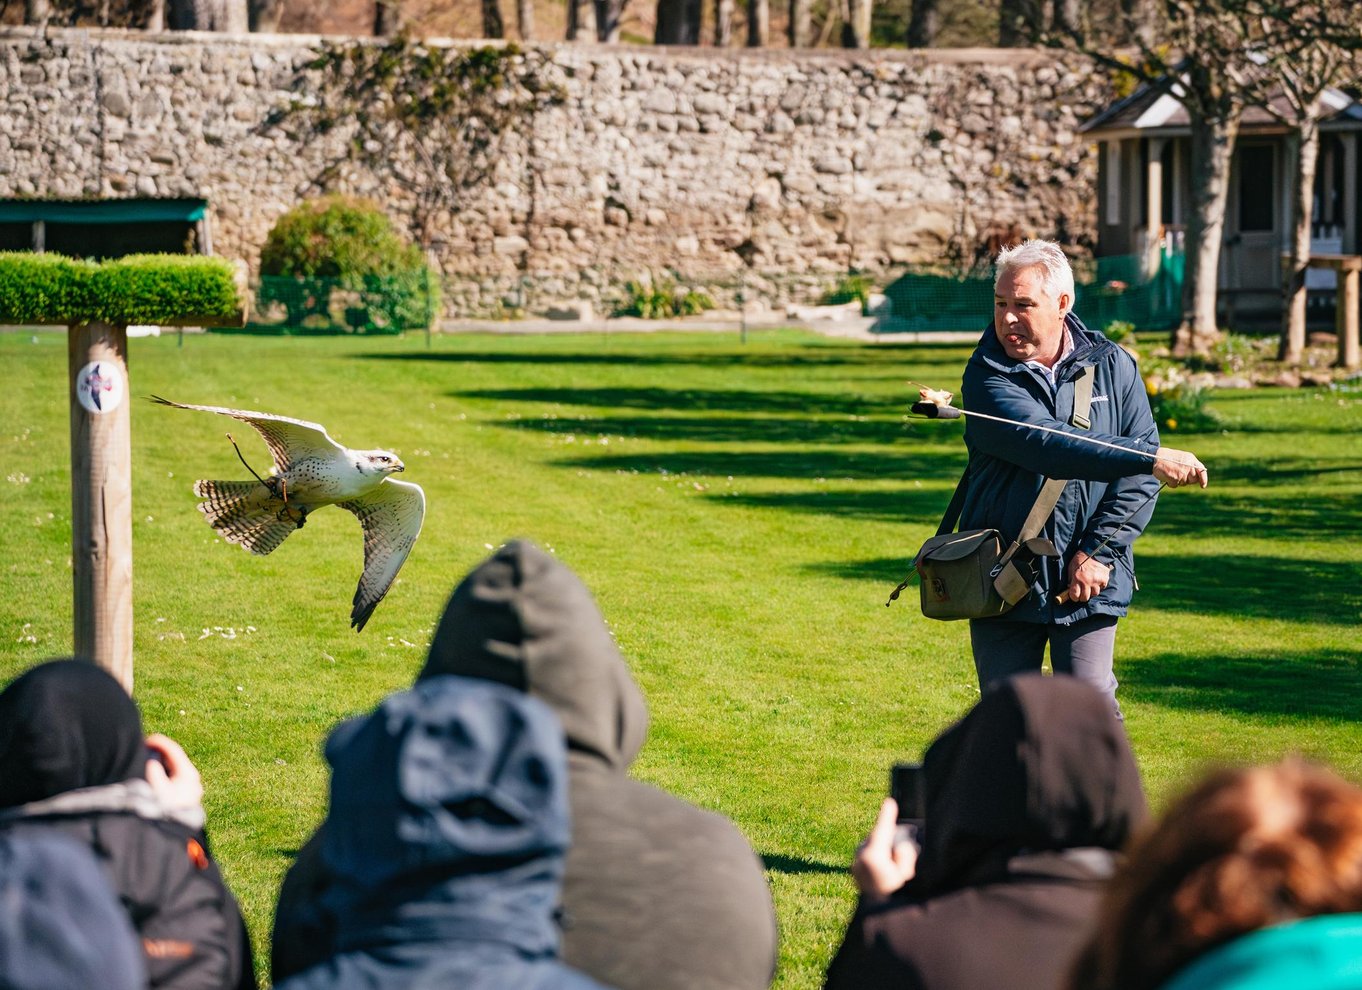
(1286, 683)
(911, 505)
(728, 429)
(830, 356)
(1267, 514)
(690, 400)
(1297, 589)
(933, 465)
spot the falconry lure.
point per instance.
(312, 470)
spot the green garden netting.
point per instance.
(1108, 290)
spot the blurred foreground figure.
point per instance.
(445, 843)
(1252, 880)
(61, 927)
(1029, 797)
(73, 760)
(658, 894)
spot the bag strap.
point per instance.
(1049, 493)
(1053, 487)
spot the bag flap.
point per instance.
(954, 546)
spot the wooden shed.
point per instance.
(1143, 205)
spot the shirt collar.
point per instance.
(1066, 348)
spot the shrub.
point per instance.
(337, 242)
(1120, 332)
(849, 288)
(162, 289)
(659, 298)
(1178, 397)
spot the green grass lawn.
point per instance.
(741, 512)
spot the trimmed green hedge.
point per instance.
(158, 289)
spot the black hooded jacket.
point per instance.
(1028, 799)
(658, 894)
(72, 760)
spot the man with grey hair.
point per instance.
(1026, 369)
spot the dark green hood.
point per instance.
(523, 619)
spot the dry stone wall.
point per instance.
(768, 166)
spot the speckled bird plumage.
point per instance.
(311, 471)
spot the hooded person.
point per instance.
(61, 927)
(1029, 798)
(73, 760)
(658, 894)
(445, 842)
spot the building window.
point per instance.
(1257, 188)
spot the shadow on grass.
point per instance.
(794, 865)
(910, 505)
(813, 403)
(1328, 592)
(804, 464)
(828, 355)
(1279, 514)
(1294, 589)
(729, 429)
(1314, 685)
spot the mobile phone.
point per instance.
(908, 788)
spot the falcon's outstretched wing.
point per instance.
(288, 439)
(391, 516)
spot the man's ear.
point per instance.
(1066, 303)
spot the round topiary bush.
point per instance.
(343, 246)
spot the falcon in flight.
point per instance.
(312, 470)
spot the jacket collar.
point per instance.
(1088, 346)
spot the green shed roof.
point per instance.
(101, 210)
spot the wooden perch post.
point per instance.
(101, 434)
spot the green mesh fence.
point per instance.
(374, 304)
(1108, 289)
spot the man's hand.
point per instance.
(1087, 577)
(882, 865)
(1176, 468)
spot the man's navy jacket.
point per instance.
(1009, 464)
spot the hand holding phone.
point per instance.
(908, 788)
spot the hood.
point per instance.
(61, 925)
(448, 819)
(523, 619)
(1320, 953)
(65, 725)
(1038, 764)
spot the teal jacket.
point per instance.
(1320, 953)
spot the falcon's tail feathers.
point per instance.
(244, 513)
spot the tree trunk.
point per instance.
(723, 23)
(800, 28)
(758, 23)
(1212, 151)
(493, 25)
(923, 24)
(387, 17)
(856, 30)
(265, 15)
(1291, 347)
(208, 15)
(1019, 23)
(1067, 16)
(36, 11)
(581, 20)
(524, 19)
(156, 16)
(609, 15)
(678, 22)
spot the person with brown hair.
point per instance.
(1215, 894)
